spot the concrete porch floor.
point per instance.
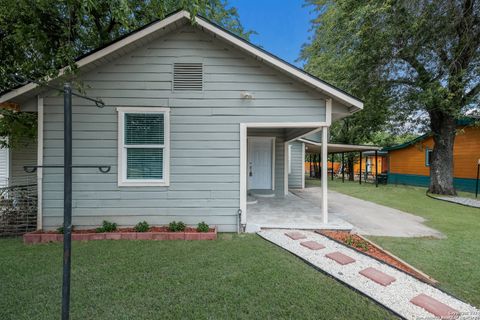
(290, 212)
(301, 209)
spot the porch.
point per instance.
(289, 212)
(265, 200)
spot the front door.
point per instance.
(260, 162)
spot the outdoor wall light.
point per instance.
(247, 95)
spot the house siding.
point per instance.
(407, 165)
(204, 132)
(23, 155)
(295, 176)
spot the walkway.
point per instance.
(398, 291)
(460, 200)
(369, 218)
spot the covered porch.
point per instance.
(265, 200)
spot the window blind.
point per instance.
(144, 128)
(144, 163)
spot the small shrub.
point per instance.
(359, 244)
(362, 245)
(349, 241)
(107, 226)
(61, 231)
(203, 227)
(142, 227)
(176, 226)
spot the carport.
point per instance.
(314, 148)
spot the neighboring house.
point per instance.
(12, 162)
(194, 118)
(4, 167)
(409, 163)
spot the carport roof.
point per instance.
(315, 147)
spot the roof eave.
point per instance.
(353, 103)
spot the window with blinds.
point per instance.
(143, 143)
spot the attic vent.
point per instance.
(187, 77)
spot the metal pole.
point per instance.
(67, 199)
(333, 159)
(478, 176)
(360, 175)
(376, 168)
(343, 166)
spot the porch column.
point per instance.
(324, 174)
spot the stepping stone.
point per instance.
(295, 235)
(435, 307)
(377, 276)
(312, 245)
(340, 258)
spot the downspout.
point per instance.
(39, 162)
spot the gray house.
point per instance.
(195, 117)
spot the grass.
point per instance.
(454, 261)
(240, 277)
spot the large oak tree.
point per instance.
(423, 56)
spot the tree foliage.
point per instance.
(19, 127)
(420, 59)
(39, 37)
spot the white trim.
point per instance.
(339, 145)
(243, 173)
(289, 159)
(328, 111)
(325, 174)
(303, 165)
(121, 152)
(40, 118)
(281, 125)
(259, 54)
(272, 140)
(285, 169)
(91, 58)
(263, 56)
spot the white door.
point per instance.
(4, 167)
(260, 162)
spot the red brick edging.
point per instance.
(38, 237)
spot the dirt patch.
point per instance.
(367, 247)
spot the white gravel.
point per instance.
(395, 296)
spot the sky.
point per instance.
(282, 26)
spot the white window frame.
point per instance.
(122, 149)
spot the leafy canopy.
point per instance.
(39, 37)
(418, 58)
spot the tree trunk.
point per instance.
(441, 164)
(350, 165)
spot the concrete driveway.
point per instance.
(369, 218)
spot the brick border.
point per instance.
(38, 237)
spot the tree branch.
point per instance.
(471, 94)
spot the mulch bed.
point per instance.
(367, 247)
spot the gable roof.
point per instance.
(176, 19)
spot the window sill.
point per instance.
(143, 184)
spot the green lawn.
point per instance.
(454, 261)
(239, 277)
